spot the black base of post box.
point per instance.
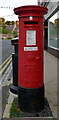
(14, 89)
(31, 100)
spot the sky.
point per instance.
(7, 6)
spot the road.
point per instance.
(6, 50)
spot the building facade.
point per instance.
(51, 26)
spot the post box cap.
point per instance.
(26, 10)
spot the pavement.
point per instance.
(50, 81)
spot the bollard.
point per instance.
(14, 85)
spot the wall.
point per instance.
(6, 36)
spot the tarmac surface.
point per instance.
(29, 118)
(50, 81)
(6, 49)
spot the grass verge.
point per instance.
(14, 112)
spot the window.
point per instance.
(53, 29)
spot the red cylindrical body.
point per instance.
(30, 66)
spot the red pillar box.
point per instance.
(30, 72)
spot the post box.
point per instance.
(30, 65)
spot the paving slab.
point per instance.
(7, 110)
(50, 78)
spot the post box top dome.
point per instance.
(23, 10)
